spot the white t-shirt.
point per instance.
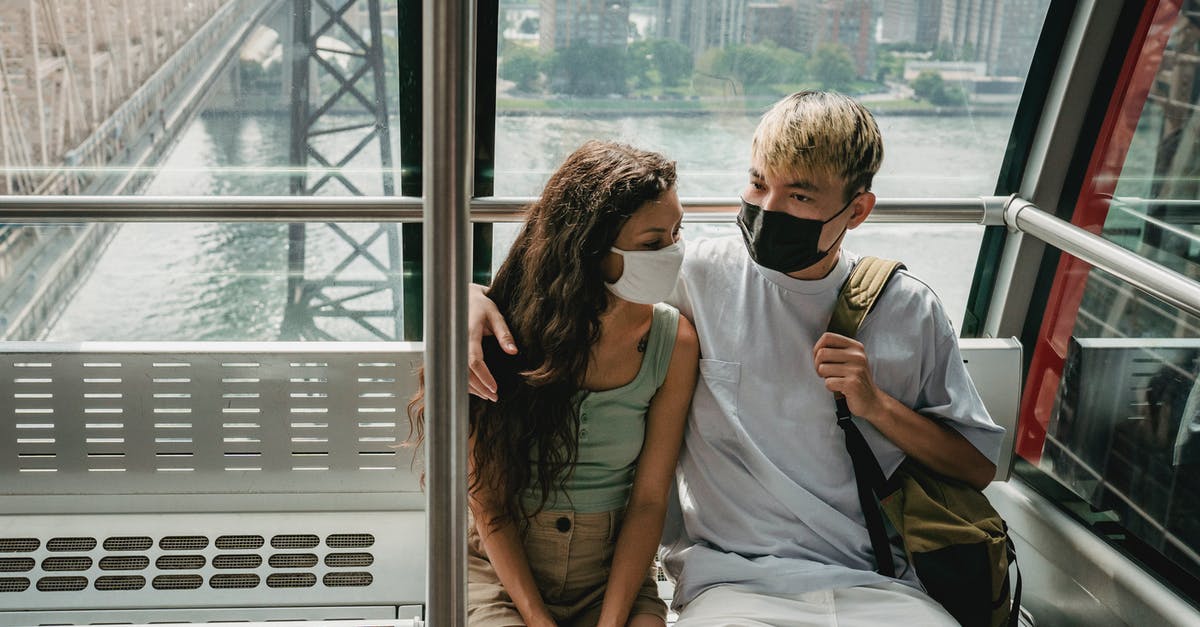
(766, 491)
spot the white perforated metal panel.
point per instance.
(214, 418)
(177, 477)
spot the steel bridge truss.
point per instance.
(339, 98)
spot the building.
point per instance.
(899, 24)
(702, 24)
(785, 22)
(976, 30)
(851, 24)
(565, 23)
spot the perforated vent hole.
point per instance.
(248, 560)
(293, 560)
(177, 582)
(55, 564)
(121, 582)
(295, 541)
(344, 580)
(128, 543)
(125, 562)
(13, 584)
(62, 584)
(291, 580)
(349, 540)
(180, 562)
(234, 580)
(19, 545)
(16, 564)
(349, 560)
(235, 543)
(183, 543)
(73, 545)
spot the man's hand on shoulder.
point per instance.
(483, 318)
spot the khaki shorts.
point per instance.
(570, 555)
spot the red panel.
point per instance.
(1120, 122)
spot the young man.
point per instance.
(767, 528)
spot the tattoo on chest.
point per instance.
(642, 343)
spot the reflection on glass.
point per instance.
(690, 78)
(1156, 200)
(1125, 431)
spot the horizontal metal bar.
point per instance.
(1154, 279)
(43, 209)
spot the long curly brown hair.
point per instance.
(551, 291)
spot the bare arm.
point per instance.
(483, 318)
(641, 529)
(507, 554)
(842, 362)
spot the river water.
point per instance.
(226, 281)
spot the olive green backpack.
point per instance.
(953, 538)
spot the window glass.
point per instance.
(203, 97)
(1124, 430)
(1111, 405)
(691, 78)
(201, 282)
(200, 98)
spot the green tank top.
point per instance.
(612, 427)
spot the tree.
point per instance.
(662, 61)
(521, 65)
(889, 64)
(833, 67)
(673, 61)
(751, 65)
(587, 70)
(929, 85)
(530, 26)
(639, 63)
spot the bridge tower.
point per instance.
(339, 88)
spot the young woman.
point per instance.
(571, 467)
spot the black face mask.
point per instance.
(783, 242)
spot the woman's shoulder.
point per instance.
(678, 335)
(668, 316)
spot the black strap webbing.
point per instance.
(868, 477)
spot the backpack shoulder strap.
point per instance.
(859, 293)
(855, 300)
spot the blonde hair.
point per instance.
(822, 132)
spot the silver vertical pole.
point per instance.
(448, 80)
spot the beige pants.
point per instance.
(570, 555)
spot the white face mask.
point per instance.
(650, 275)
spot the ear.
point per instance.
(860, 208)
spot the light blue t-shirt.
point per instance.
(766, 497)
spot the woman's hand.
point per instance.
(483, 318)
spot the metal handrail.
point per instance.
(1150, 277)
(43, 209)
